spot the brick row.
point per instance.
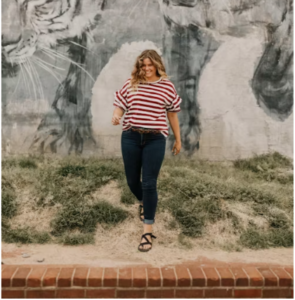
(149, 293)
(178, 276)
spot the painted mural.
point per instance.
(55, 54)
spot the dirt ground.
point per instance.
(120, 254)
(123, 255)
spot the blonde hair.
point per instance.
(138, 75)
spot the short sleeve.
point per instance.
(121, 96)
(174, 102)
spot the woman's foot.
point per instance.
(146, 242)
(146, 239)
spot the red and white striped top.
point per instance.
(146, 107)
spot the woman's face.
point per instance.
(149, 69)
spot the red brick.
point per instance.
(125, 277)
(19, 279)
(275, 293)
(160, 293)
(168, 276)
(154, 277)
(7, 274)
(80, 277)
(247, 293)
(40, 294)
(284, 278)
(212, 276)
(269, 278)
(197, 276)
(72, 293)
(49, 278)
(241, 277)
(289, 271)
(95, 277)
(100, 293)
(183, 276)
(219, 293)
(139, 277)
(13, 294)
(110, 277)
(227, 278)
(182, 293)
(255, 277)
(130, 293)
(65, 277)
(35, 277)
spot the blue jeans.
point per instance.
(143, 152)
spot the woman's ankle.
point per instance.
(147, 228)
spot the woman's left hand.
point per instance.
(176, 147)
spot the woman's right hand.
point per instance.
(116, 120)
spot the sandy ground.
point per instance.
(117, 246)
(158, 256)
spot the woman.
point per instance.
(145, 99)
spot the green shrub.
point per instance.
(191, 224)
(72, 169)
(260, 163)
(8, 199)
(25, 235)
(85, 217)
(28, 163)
(281, 237)
(254, 239)
(8, 204)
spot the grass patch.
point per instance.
(74, 239)
(8, 200)
(28, 163)
(193, 214)
(262, 162)
(72, 182)
(256, 239)
(196, 193)
(85, 217)
(268, 167)
(25, 235)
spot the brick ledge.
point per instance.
(34, 281)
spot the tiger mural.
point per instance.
(189, 40)
(40, 26)
(40, 33)
(194, 29)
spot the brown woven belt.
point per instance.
(143, 130)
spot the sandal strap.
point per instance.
(148, 242)
(141, 244)
(149, 233)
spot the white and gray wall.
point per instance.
(230, 60)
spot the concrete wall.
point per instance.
(230, 60)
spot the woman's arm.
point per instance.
(173, 120)
(117, 115)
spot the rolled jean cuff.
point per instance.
(150, 222)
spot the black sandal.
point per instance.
(146, 243)
(140, 213)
